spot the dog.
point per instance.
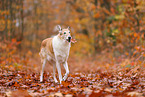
(56, 51)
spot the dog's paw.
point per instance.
(64, 78)
(41, 79)
(60, 81)
(56, 81)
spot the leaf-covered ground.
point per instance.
(125, 82)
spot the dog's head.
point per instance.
(65, 34)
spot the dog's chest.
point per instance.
(61, 49)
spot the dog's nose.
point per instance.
(69, 38)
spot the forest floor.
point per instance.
(101, 76)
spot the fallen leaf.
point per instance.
(135, 93)
(19, 93)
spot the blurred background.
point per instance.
(108, 32)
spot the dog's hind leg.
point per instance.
(42, 71)
(67, 71)
(43, 62)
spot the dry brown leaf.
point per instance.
(135, 93)
(58, 94)
(108, 89)
(68, 95)
(18, 93)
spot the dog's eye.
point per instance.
(64, 32)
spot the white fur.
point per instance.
(61, 50)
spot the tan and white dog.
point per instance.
(56, 51)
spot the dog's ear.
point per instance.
(68, 28)
(59, 28)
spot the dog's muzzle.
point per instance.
(69, 39)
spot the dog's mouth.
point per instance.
(69, 39)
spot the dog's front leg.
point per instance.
(67, 71)
(59, 71)
(54, 68)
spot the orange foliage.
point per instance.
(110, 46)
